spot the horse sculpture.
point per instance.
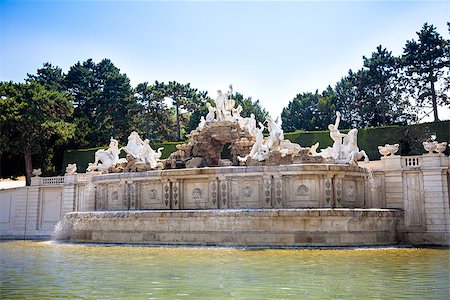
(350, 150)
(276, 134)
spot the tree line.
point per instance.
(53, 111)
(380, 93)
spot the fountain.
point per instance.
(267, 192)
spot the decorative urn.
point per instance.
(383, 151)
(429, 146)
(440, 147)
(388, 149)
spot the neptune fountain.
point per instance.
(267, 192)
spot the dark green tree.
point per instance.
(152, 117)
(103, 100)
(51, 77)
(186, 101)
(309, 111)
(425, 61)
(31, 116)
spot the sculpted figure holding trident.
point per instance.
(224, 105)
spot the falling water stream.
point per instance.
(43, 270)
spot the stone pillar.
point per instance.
(69, 193)
(392, 166)
(437, 212)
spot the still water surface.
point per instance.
(44, 270)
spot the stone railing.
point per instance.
(411, 161)
(52, 180)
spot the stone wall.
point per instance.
(288, 186)
(417, 185)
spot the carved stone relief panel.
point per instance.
(277, 191)
(223, 191)
(302, 191)
(349, 192)
(214, 191)
(117, 196)
(101, 197)
(166, 193)
(328, 192)
(196, 194)
(246, 192)
(338, 192)
(152, 195)
(268, 190)
(176, 194)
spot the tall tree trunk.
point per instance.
(178, 123)
(28, 163)
(434, 102)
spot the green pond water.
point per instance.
(45, 270)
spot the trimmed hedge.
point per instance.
(410, 139)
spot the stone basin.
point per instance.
(248, 227)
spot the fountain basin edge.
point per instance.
(234, 227)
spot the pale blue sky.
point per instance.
(268, 50)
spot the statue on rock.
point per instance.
(259, 151)
(140, 155)
(105, 158)
(345, 146)
(134, 147)
(211, 116)
(224, 105)
(276, 134)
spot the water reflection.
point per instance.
(43, 270)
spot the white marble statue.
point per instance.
(337, 137)
(236, 113)
(108, 157)
(202, 124)
(71, 169)
(259, 151)
(224, 105)
(345, 146)
(150, 156)
(276, 135)
(211, 116)
(141, 151)
(134, 146)
(251, 124)
(220, 105)
(350, 151)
